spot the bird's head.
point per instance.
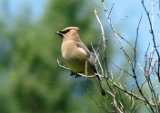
(66, 31)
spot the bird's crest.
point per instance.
(71, 28)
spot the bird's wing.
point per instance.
(83, 49)
(89, 56)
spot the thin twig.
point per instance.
(102, 28)
(136, 41)
(91, 76)
(105, 109)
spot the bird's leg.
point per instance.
(73, 73)
(86, 68)
(76, 75)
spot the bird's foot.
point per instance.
(74, 74)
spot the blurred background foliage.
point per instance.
(30, 79)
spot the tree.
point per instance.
(35, 83)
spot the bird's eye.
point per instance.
(64, 32)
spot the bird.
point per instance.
(77, 56)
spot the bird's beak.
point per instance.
(59, 33)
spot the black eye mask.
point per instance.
(64, 32)
(61, 33)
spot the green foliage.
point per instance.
(31, 80)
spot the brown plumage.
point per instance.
(77, 56)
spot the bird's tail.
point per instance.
(99, 81)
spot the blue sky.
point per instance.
(127, 26)
(16, 7)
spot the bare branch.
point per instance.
(102, 29)
(153, 37)
(135, 45)
(91, 76)
(131, 94)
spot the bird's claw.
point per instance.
(74, 74)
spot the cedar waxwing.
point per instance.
(77, 56)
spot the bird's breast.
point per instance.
(70, 50)
(66, 49)
(66, 55)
